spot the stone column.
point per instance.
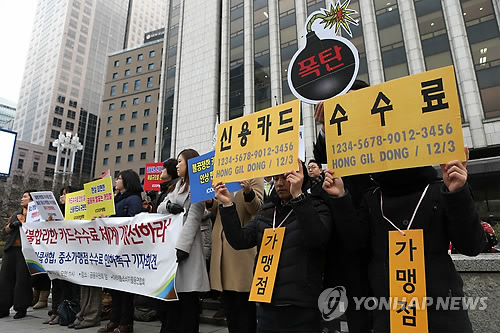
(372, 44)
(411, 36)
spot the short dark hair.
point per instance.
(29, 193)
(315, 162)
(359, 84)
(131, 181)
(170, 165)
(69, 189)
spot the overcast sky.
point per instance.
(16, 22)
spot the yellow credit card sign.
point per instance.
(407, 282)
(267, 265)
(75, 207)
(259, 144)
(408, 122)
(100, 198)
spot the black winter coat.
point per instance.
(443, 216)
(128, 204)
(299, 276)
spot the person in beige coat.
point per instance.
(231, 271)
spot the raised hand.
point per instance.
(295, 178)
(247, 187)
(455, 173)
(222, 193)
(333, 185)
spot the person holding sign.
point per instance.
(15, 278)
(191, 278)
(423, 214)
(128, 202)
(170, 177)
(291, 232)
(231, 270)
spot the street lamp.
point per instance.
(71, 143)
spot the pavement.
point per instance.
(34, 319)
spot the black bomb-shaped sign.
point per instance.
(323, 68)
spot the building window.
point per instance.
(133, 129)
(54, 134)
(151, 66)
(142, 171)
(117, 63)
(124, 104)
(49, 172)
(130, 157)
(140, 56)
(119, 145)
(51, 159)
(150, 82)
(145, 126)
(35, 166)
(105, 161)
(144, 141)
(106, 147)
(113, 91)
(61, 99)
(152, 53)
(125, 87)
(146, 112)
(118, 159)
(129, 60)
(108, 133)
(143, 156)
(115, 75)
(147, 98)
(120, 131)
(122, 116)
(71, 114)
(59, 110)
(136, 101)
(57, 122)
(134, 115)
(111, 106)
(20, 163)
(137, 85)
(138, 69)
(127, 72)
(117, 172)
(70, 126)
(73, 103)
(110, 120)
(131, 143)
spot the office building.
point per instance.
(234, 61)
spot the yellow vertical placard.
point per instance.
(75, 207)
(267, 265)
(407, 282)
(100, 199)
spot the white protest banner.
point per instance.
(33, 214)
(47, 205)
(133, 254)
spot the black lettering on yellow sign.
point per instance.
(339, 120)
(264, 122)
(244, 133)
(284, 121)
(381, 109)
(434, 92)
(226, 137)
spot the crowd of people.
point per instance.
(335, 234)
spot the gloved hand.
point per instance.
(15, 224)
(181, 255)
(174, 208)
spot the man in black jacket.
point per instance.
(298, 281)
(444, 210)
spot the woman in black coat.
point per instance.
(128, 202)
(15, 278)
(446, 213)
